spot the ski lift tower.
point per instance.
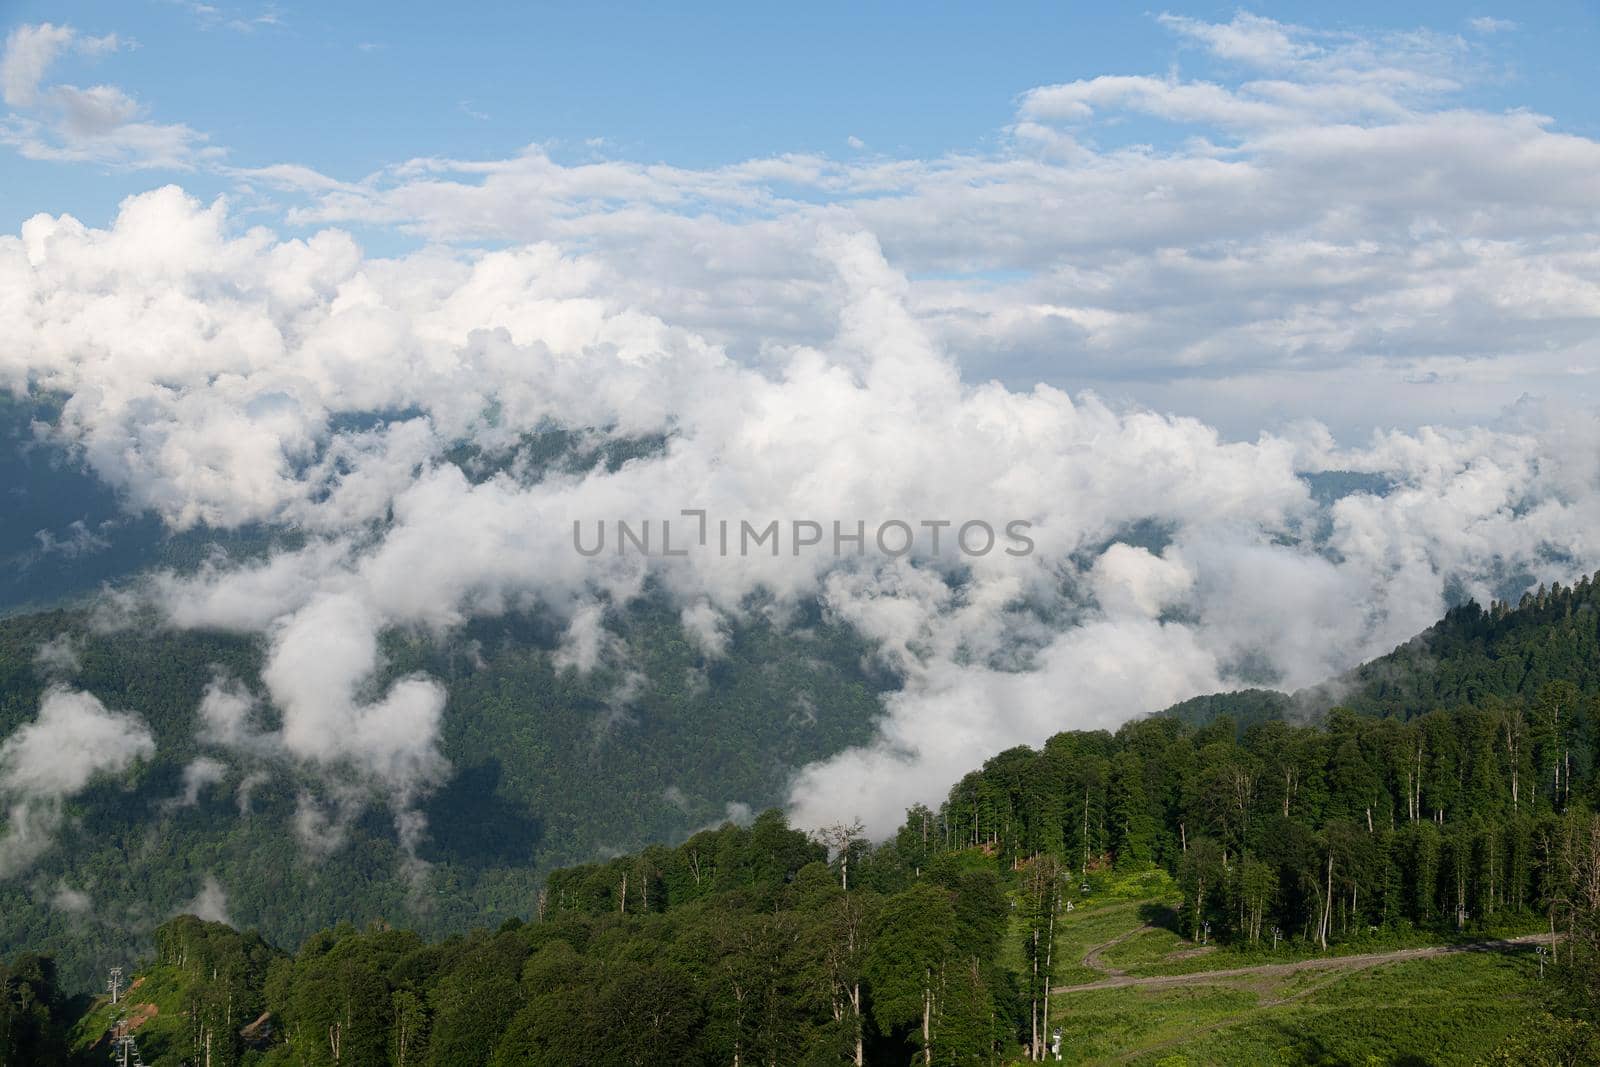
(114, 984)
(124, 1053)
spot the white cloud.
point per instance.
(74, 739)
(71, 901)
(79, 541)
(58, 656)
(210, 904)
(1324, 207)
(320, 657)
(706, 627)
(1490, 24)
(1126, 579)
(585, 640)
(30, 51)
(198, 773)
(240, 19)
(1249, 39)
(99, 124)
(875, 423)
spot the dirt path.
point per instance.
(1117, 980)
(1091, 959)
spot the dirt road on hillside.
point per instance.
(1325, 963)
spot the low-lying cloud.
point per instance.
(74, 739)
(869, 357)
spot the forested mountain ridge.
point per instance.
(545, 772)
(1472, 653)
(769, 946)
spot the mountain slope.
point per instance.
(547, 769)
(1160, 851)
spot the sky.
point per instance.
(1091, 269)
(382, 119)
(351, 88)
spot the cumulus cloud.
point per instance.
(322, 658)
(874, 424)
(74, 739)
(1330, 226)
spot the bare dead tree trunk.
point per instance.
(1049, 952)
(927, 1020)
(1511, 757)
(1327, 908)
(837, 839)
(1086, 829)
(1033, 1003)
(855, 1003)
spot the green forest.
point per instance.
(543, 773)
(1371, 826)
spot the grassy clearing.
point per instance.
(1443, 1010)
(1438, 1010)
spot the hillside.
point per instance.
(547, 774)
(1507, 651)
(1471, 654)
(1161, 892)
(544, 774)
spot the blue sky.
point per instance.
(349, 88)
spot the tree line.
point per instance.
(765, 945)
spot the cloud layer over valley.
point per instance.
(1333, 243)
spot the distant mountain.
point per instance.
(547, 770)
(1505, 651)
